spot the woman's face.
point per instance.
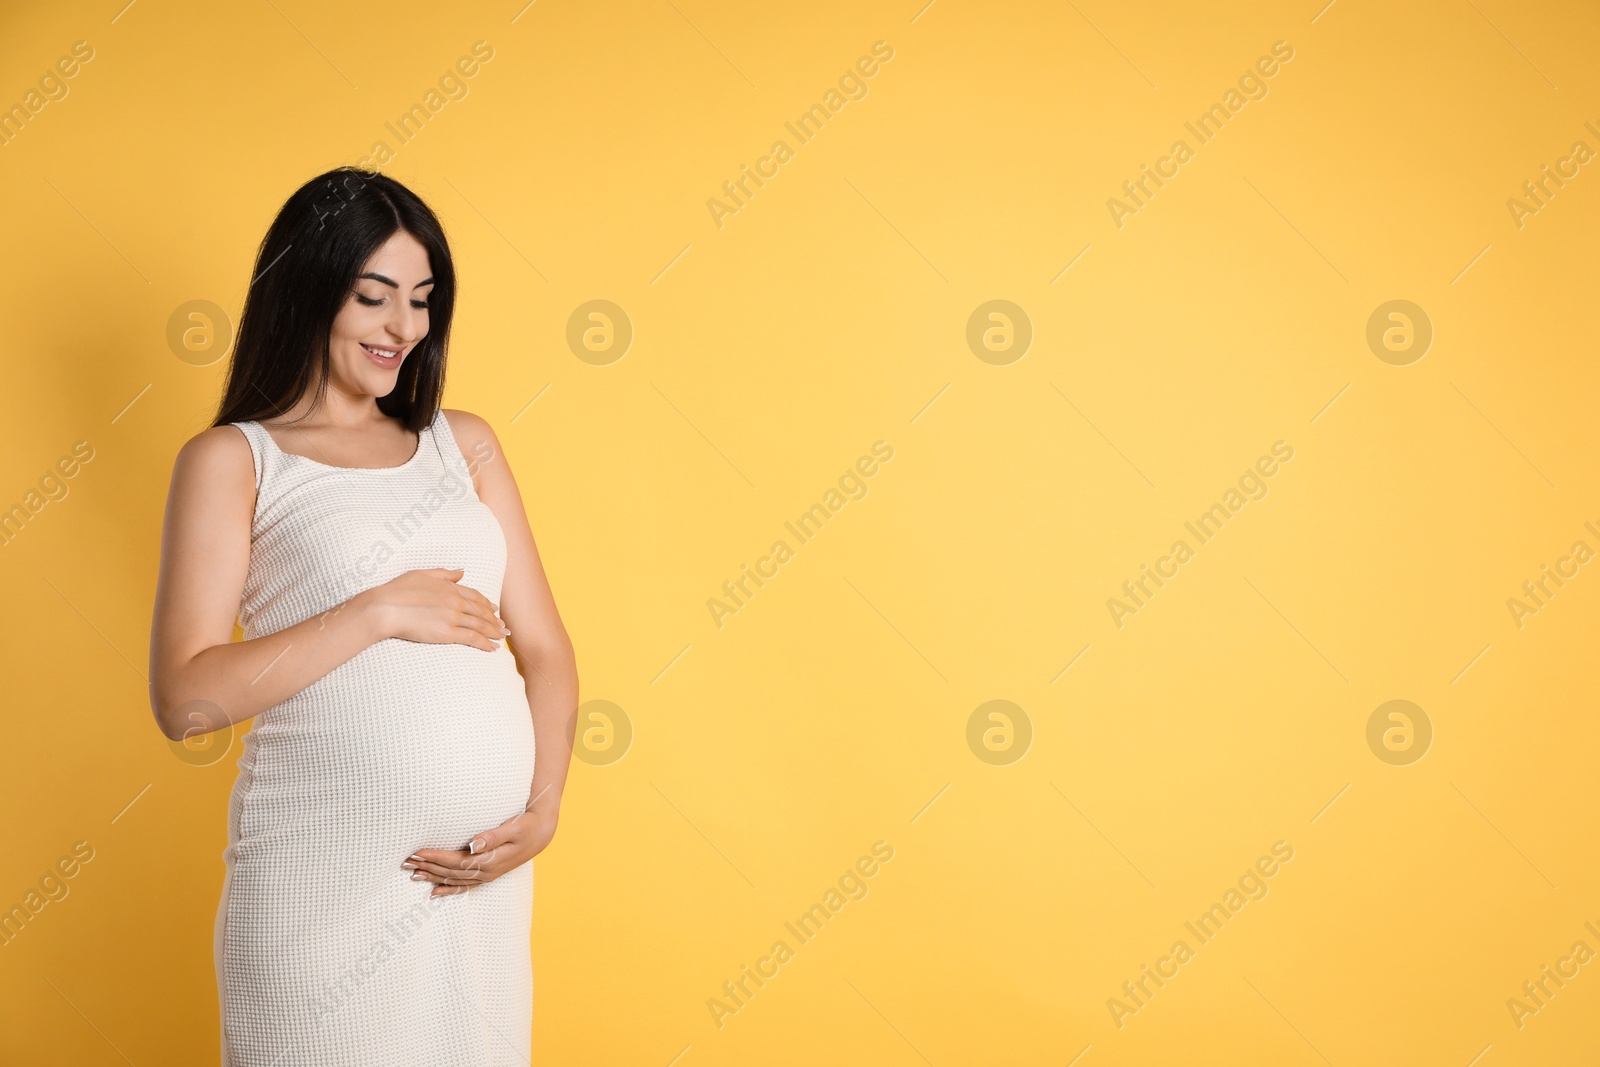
(383, 318)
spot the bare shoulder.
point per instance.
(467, 426)
(475, 437)
(217, 457)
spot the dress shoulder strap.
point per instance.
(455, 461)
(261, 444)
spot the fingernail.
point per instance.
(419, 876)
(408, 866)
(473, 848)
(414, 856)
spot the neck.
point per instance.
(340, 408)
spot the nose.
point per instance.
(405, 324)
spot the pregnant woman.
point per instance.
(406, 762)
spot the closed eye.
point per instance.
(371, 303)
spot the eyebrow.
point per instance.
(391, 283)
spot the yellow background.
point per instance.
(830, 313)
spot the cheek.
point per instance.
(347, 325)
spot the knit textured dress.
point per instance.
(327, 953)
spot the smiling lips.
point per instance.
(386, 356)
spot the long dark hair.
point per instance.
(305, 270)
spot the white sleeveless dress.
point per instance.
(327, 953)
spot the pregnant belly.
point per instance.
(409, 745)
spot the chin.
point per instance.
(381, 384)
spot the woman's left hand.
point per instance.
(488, 856)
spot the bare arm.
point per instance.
(200, 679)
(538, 639)
(549, 673)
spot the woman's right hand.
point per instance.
(431, 606)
